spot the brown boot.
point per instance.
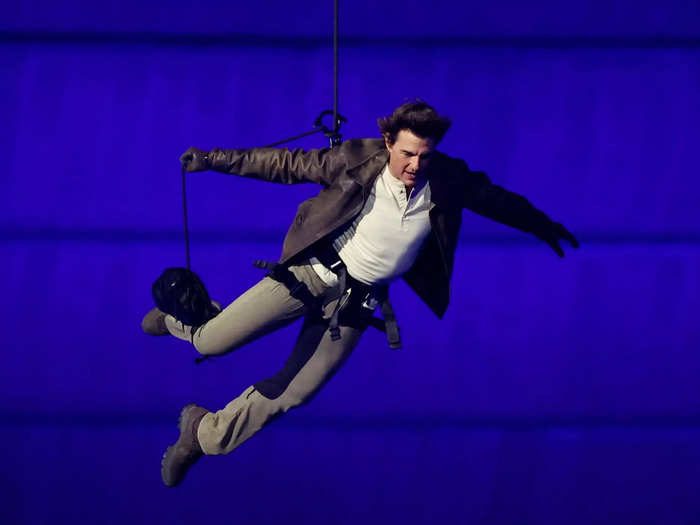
(153, 323)
(179, 457)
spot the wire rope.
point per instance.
(333, 134)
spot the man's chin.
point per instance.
(410, 180)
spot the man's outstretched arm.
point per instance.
(284, 166)
(494, 202)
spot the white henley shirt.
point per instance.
(382, 242)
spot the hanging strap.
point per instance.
(391, 326)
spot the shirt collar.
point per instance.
(397, 186)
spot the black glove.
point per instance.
(195, 160)
(551, 235)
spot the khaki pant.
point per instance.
(265, 307)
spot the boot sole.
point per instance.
(171, 448)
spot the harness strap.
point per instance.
(342, 273)
(297, 289)
(327, 255)
(390, 324)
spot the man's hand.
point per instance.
(195, 160)
(553, 233)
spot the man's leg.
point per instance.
(203, 432)
(313, 361)
(305, 372)
(262, 309)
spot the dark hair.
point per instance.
(418, 117)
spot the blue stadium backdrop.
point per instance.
(554, 391)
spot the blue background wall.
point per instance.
(554, 391)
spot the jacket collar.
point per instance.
(365, 159)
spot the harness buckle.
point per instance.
(370, 302)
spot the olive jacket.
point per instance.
(347, 173)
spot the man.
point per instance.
(388, 208)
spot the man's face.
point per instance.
(409, 157)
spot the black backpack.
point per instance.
(181, 293)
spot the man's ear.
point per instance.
(387, 142)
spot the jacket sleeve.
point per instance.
(494, 202)
(320, 166)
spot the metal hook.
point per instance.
(332, 134)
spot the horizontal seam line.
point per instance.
(260, 236)
(120, 420)
(313, 41)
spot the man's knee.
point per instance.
(210, 346)
(210, 342)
